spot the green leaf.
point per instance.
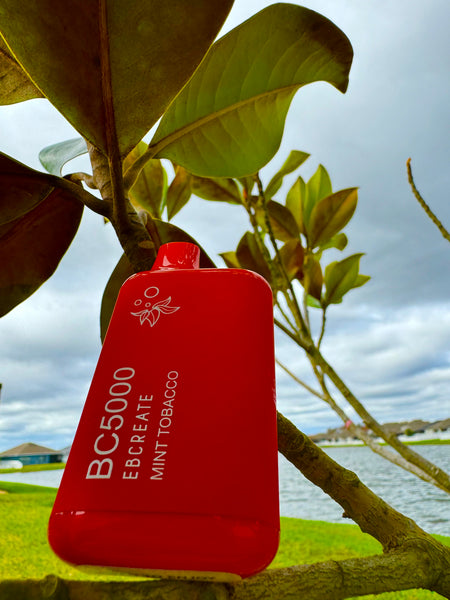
(111, 67)
(53, 158)
(319, 185)
(15, 86)
(317, 188)
(339, 242)
(312, 277)
(293, 161)
(291, 254)
(179, 192)
(313, 303)
(330, 215)
(220, 189)
(167, 233)
(250, 256)
(294, 202)
(150, 188)
(361, 280)
(231, 260)
(228, 120)
(281, 220)
(32, 246)
(340, 278)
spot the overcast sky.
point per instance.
(390, 340)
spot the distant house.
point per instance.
(441, 425)
(65, 453)
(31, 454)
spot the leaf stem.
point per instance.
(322, 329)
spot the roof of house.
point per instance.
(399, 428)
(27, 449)
(445, 424)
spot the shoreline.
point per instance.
(339, 444)
(359, 444)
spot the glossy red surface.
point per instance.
(174, 463)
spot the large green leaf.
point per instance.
(111, 67)
(32, 246)
(54, 157)
(228, 120)
(167, 233)
(15, 85)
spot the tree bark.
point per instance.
(131, 232)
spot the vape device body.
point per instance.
(173, 469)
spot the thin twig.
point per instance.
(285, 316)
(294, 335)
(424, 205)
(300, 382)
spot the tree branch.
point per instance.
(130, 229)
(89, 200)
(424, 205)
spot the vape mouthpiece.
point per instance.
(177, 255)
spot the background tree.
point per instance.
(108, 70)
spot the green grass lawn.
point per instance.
(25, 553)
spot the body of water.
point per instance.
(426, 504)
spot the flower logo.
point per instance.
(151, 312)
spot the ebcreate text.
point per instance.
(147, 428)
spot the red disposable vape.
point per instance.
(173, 469)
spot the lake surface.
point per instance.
(426, 504)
